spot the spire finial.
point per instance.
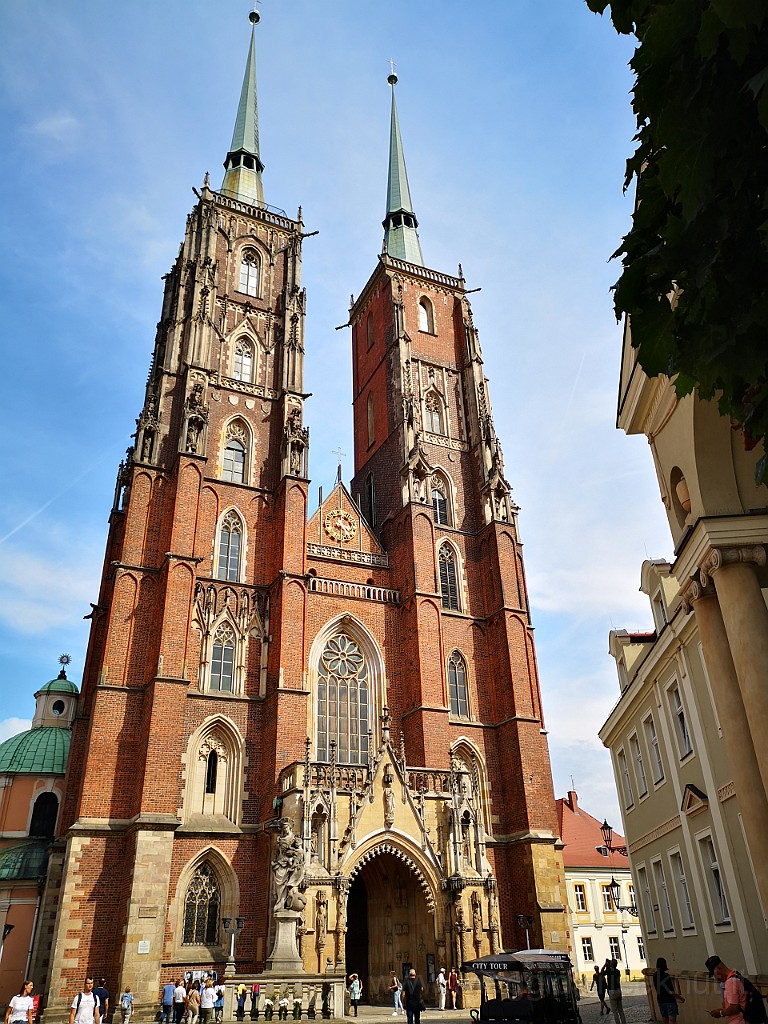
(401, 239)
(243, 165)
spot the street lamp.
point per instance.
(232, 930)
(613, 886)
(526, 921)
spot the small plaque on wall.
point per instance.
(143, 946)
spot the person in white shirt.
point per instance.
(179, 1002)
(85, 1006)
(442, 985)
(207, 999)
(21, 1009)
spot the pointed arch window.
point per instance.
(457, 686)
(223, 659)
(202, 903)
(370, 499)
(233, 462)
(433, 410)
(369, 330)
(440, 501)
(230, 544)
(449, 590)
(426, 316)
(250, 267)
(242, 364)
(211, 772)
(343, 701)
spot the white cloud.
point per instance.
(12, 727)
(62, 128)
(38, 594)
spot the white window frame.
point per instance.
(641, 947)
(662, 892)
(682, 892)
(658, 610)
(614, 946)
(644, 884)
(714, 883)
(607, 898)
(580, 896)
(679, 715)
(587, 949)
(637, 758)
(652, 739)
(626, 779)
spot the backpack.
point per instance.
(754, 1008)
(96, 1003)
(125, 1002)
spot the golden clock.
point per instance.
(340, 525)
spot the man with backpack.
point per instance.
(85, 1006)
(742, 1003)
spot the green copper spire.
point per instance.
(400, 236)
(243, 166)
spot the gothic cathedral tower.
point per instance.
(324, 729)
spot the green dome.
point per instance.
(42, 751)
(27, 860)
(59, 685)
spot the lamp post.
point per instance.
(232, 930)
(613, 885)
(526, 921)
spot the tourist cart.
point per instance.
(533, 985)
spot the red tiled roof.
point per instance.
(581, 834)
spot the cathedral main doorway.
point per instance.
(389, 927)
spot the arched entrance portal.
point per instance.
(389, 926)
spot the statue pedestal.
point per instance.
(284, 957)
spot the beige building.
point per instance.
(688, 734)
(601, 894)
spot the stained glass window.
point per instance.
(343, 701)
(201, 908)
(249, 272)
(229, 548)
(457, 685)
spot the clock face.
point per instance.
(340, 526)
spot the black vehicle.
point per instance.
(532, 985)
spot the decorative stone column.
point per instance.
(734, 723)
(745, 617)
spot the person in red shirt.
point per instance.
(734, 995)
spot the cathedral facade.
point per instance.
(309, 739)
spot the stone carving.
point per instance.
(288, 868)
(389, 807)
(297, 441)
(477, 922)
(461, 929)
(209, 744)
(197, 417)
(321, 920)
(493, 921)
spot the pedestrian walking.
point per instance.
(21, 1009)
(598, 983)
(413, 997)
(355, 991)
(613, 987)
(179, 1002)
(85, 1006)
(734, 992)
(396, 988)
(193, 1003)
(218, 1006)
(126, 1005)
(442, 987)
(453, 985)
(167, 1004)
(102, 994)
(207, 1002)
(667, 994)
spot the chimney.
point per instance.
(573, 801)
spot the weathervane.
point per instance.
(340, 455)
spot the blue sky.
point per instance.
(516, 123)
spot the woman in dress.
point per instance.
(21, 1009)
